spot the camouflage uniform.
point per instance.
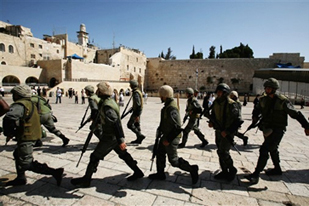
(273, 109)
(169, 129)
(111, 139)
(134, 121)
(193, 111)
(225, 111)
(93, 101)
(23, 122)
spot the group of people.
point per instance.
(270, 114)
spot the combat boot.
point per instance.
(274, 171)
(194, 174)
(137, 173)
(44, 169)
(139, 139)
(157, 176)
(221, 175)
(181, 145)
(19, 180)
(64, 140)
(245, 139)
(231, 174)
(204, 143)
(253, 178)
(38, 143)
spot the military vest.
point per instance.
(272, 110)
(30, 126)
(223, 113)
(135, 106)
(95, 98)
(164, 127)
(107, 127)
(44, 107)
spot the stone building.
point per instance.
(51, 60)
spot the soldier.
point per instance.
(93, 101)
(134, 122)
(227, 118)
(193, 111)
(234, 96)
(274, 109)
(112, 138)
(170, 129)
(47, 119)
(23, 122)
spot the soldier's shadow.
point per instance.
(58, 149)
(41, 188)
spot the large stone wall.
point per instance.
(181, 74)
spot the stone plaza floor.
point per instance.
(110, 187)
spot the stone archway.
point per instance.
(52, 82)
(10, 80)
(30, 80)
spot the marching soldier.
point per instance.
(23, 122)
(193, 110)
(234, 96)
(273, 109)
(134, 122)
(170, 132)
(227, 117)
(93, 101)
(47, 119)
(112, 138)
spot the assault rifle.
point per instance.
(88, 139)
(83, 122)
(253, 125)
(155, 147)
(128, 112)
(124, 113)
(217, 125)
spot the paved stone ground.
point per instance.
(109, 185)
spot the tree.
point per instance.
(241, 51)
(168, 55)
(212, 52)
(198, 55)
(192, 56)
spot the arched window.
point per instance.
(11, 49)
(2, 47)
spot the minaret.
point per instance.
(82, 36)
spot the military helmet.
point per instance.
(272, 82)
(133, 83)
(223, 87)
(89, 88)
(166, 91)
(189, 90)
(105, 88)
(22, 90)
(234, 93)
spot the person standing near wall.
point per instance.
(58, 95)
(134, 121)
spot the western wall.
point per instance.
(237, 73)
